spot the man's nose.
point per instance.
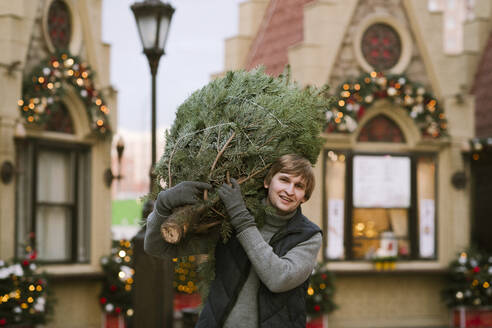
(290, 189)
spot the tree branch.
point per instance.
(221, 152)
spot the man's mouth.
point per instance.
(284, 198)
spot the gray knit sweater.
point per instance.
(279, 274)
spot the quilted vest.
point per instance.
(283, 310)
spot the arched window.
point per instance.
(381, 129)
(60, 120)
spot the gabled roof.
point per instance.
(282, 27)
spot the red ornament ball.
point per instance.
(3, 322)
(113, 288)
(317, 308)
(25, 263)
(476, 269)
(117, 310)
(324, 276)
(103, 300)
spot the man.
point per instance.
(260, 274)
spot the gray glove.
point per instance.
(184, 193)
(234, 204)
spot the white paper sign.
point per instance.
(426, 227)
(335, 229)
(381, 181)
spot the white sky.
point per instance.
(194, 51)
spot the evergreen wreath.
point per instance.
(236, 126)
(25, 298)
(354, 97)
(117, 290)
(320, 292)
(469, 280)
(44, 87)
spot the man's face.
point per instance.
(286, 192)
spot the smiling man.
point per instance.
(261, 274)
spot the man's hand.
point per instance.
(234, 204)
(184, 193)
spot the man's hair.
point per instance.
(295, 165)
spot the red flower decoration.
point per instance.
(317, 308)
(103, 300)
(113, 288)
(476, 269)
(117, 310)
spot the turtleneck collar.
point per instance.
(278, 220)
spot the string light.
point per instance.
(54, 75)
(396, 89)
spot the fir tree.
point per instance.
(236, 127)
(469, 280)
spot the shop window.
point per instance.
(381, 46)
(379, 205)
(59, 24)
(53, 200)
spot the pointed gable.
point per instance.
(482, 87)
(281, 28)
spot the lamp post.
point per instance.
(153, 20)
(153, 298)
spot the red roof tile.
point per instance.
(282, 27)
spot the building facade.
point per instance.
(393, 193)
(57, 118)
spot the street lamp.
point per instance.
(153, 20)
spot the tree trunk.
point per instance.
(183, 221)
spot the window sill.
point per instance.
(60, 272)
(401, 267)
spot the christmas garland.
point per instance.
(24, 293)
(353, 98)
(116, 293)
(46, 85)
(319, 298)
(469, 280)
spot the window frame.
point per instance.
(413, 211)
(80, 152)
